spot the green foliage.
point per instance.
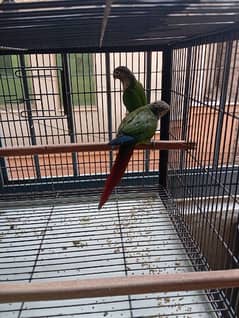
(10, 85)
(81, 79)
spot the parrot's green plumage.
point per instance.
(140, 124)
(137, 127)
(133, 95)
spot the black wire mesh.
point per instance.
(205, 181)
(69, 238)
(97, 25)
(72, 97)
(68, 98)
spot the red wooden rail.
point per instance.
(115, 286)
(63, 148)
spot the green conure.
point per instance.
(133, 95)
(137, 127)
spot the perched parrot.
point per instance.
(133, 95)
(137, 127)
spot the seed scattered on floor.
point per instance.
(166, 299)
(85, 220)
(79, 244)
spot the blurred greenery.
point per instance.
(81, 78)
(10, 85)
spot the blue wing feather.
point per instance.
(123, 139)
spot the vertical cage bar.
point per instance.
(185, 104)
(164, 125)
(186, 94)
(222, 102)
(148, 96)
(66, 93)
(109, 104)
(29, 112)
(3, 169)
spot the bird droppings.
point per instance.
(166, 299)
(129, 243)
(84, 220)
(79, 243)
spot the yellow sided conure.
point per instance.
(133, 95)
(137, 127)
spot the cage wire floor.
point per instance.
(71, 239)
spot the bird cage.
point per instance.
(165, 244)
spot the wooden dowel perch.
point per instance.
(115, 286)
(50, 149)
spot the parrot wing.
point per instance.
(134, 97)
(123, 139)
(141, 92)
(140, 124)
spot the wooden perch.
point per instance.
(116, 286)
(50, 149)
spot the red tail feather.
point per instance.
(117, 171)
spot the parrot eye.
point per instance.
(116, 74)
